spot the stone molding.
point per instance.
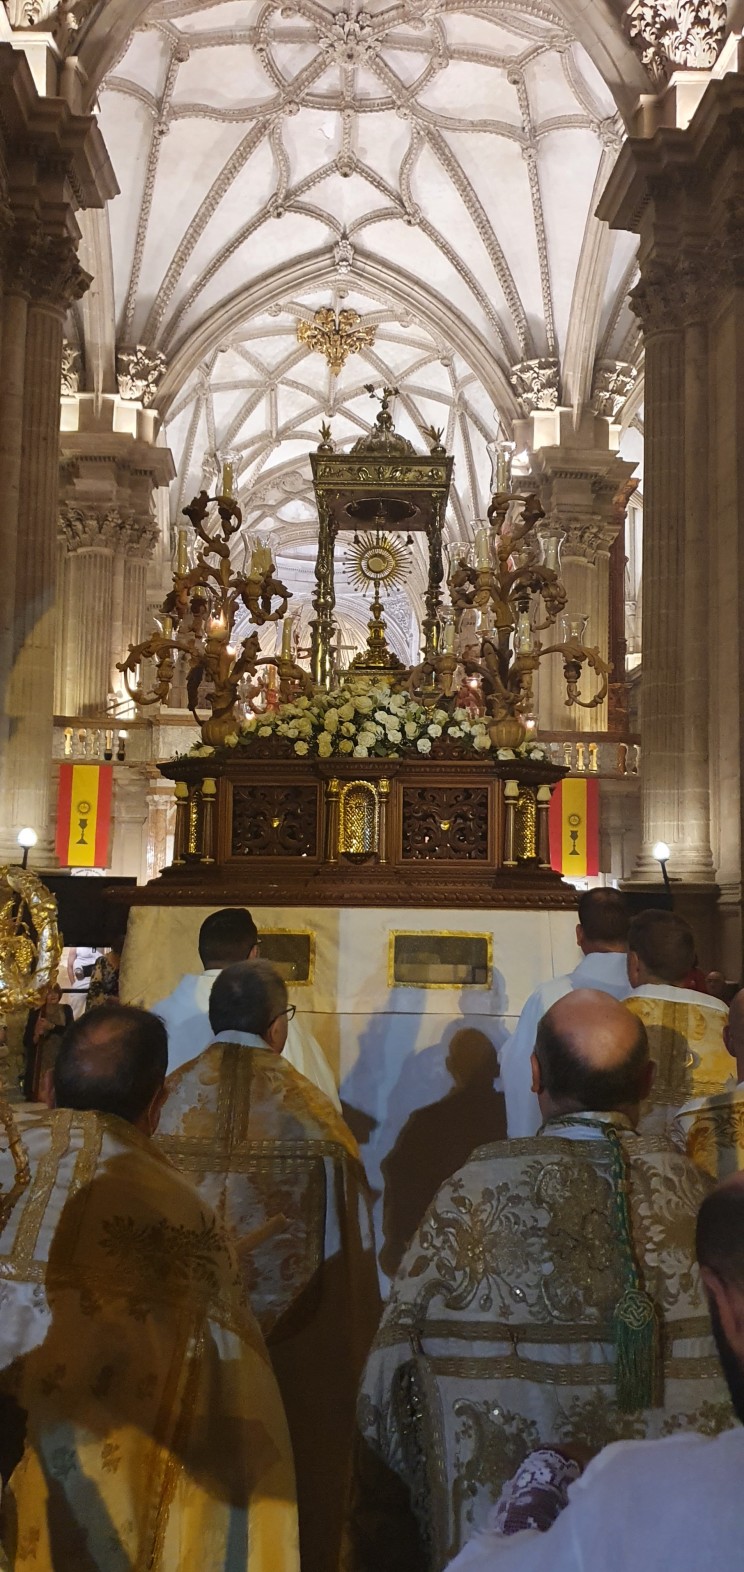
(139, 372)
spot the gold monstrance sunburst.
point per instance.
(376, 558)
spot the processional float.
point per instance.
(382, 784)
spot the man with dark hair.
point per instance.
(711, 1129)
(114, 1061)
(601, 935)
(225, 938)
(664, 1506)
(685, 1028)
(149, 1422)
(550, 1297)
(270, 1153)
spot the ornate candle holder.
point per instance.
(198, 618)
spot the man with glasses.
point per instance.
(225, 937)
(280, 1166)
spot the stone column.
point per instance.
(679, 188)
(111, 464)
(57, 278)
(579, 477)
(52, 161)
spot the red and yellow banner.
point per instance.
(574, 827)
(84, 815)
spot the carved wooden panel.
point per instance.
(446, 823)
(274, 821)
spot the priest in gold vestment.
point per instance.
(685, 1028)
(711, 1129)
(272, 1156)
(142, 1423)
(551, 1296)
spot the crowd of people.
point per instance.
(197, 1370)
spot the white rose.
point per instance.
(305, 728)
(346, 712)
(440, 716)
(292, 731)
(455, 731)
(505, 753)
(345, 746)
(264, 731)
(410, 728)
(423, 745)
(325, 746)
(301, 747)
(360, 752)
(331, 721)
(382, 717)
(395, 737)
(363, 705)
(302, 703)
(348, 728)
(434, 731)
(460, 714)
(482, 742)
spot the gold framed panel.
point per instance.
(439, 933)
(298, 933)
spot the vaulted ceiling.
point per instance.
(433, 165)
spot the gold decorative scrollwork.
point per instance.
(526, 828)
(359, 820)
(30, 941)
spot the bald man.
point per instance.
(711, 1129)
(550, 1295)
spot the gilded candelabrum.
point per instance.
(515, 583)
(198, 617)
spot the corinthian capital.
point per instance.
(138, 373)
(613, 381)
(70, 369)
(46, 268)
(673, 33)
(536, 384)
(88, 528)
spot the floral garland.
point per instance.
(364, 720)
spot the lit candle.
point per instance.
(227, 480)
(482, 548)
(181, 559)
(551, 552)
(167, 627)
(448, 641)
(287, 638)
(218, 626)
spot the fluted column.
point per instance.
(85, 604)
(58, 279)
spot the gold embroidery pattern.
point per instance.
(687, 1047)
(715, 1139)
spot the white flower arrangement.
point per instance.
(365, 719)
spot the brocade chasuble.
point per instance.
(154, 1435)
(498, 1335)
(270, 1153)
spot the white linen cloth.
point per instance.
(606, 971)
(185, 1013)
(660, 1506)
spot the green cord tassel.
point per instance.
(636, 1328)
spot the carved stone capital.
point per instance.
(71, 368)
(536, 383)
(613, 381)
(670, 34)
(656, 300)
(106, 528)
(46, 268)
(88, 528)
(588, 538)
(139, 372)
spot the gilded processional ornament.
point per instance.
(30, 941)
